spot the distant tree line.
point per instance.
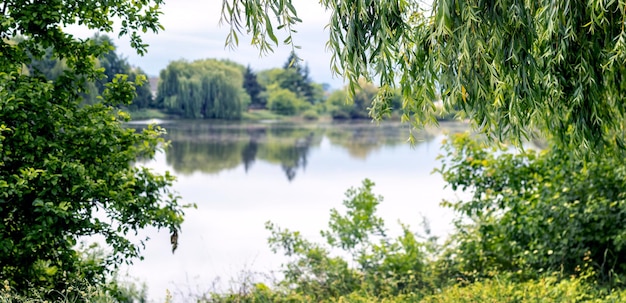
(221, 89)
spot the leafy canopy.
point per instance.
(517, 68)
(66, 169)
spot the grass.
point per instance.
(261, 114)
(145, 114)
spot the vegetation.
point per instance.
(253, 88)
(535, 212)
(515, 68)
(505, 248)
(540, 225)
(52, 68)
(66, 167)
(207, 89)
(358, 108)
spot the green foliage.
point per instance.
(66, 169)
(208, 89)
(310, 115)
(293, 77)
(502, 289)
(356, 107)
(380, 266)
(533, 212)
(514, 67)
(299, 81)
(376, 268)
(284, 102)
(253, 88)
(52, 67)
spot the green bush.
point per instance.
(310, 115)
(284, 102)
(545, 289)
(533, 212)
(379, 265)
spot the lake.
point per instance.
(242, 175)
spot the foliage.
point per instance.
(356, 107)
(52, 67)
(310, 115)
(115, 292)
(515, 67)
(284, 102)
(66, 169)
(380, 266)
(295, 78)
(208, 89)
(371, 267)
(545, 289)
(300, 81)
(253, 88)
(532, 212)
(113, 65)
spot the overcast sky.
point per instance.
(192, 32)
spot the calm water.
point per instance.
(243, 175)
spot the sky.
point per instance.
(192, 32)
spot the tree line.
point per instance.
(223, 89)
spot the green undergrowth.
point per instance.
(495, 290)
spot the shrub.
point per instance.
(310, 115)
(379, 266)
(284, 102)
(534, 212)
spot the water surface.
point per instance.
(243, 175)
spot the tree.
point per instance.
(298, 80)
(515, 67)
(66, 169)
(253, 88)
(208, 89)
(284, 102)
(112, 64)
(358, 108)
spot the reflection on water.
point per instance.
(214, 147)
(242, 175)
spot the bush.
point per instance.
(533, 212)
(338, 114)
(502, 289)
(380, 266)
(284, 102)
(310, 115)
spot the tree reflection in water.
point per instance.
(211, 147)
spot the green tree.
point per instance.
(113, 65)
(515, 67)
(284, 102)
(66, 169)
(208, 89)
(253, 88)
(52, 67)
(376, 264)
(298, 81)
(357, 107)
